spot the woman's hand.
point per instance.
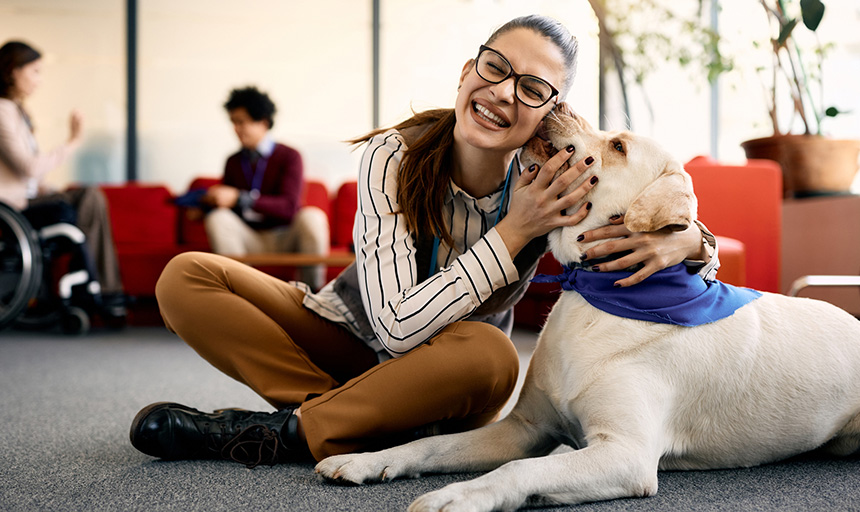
(76, 127)
(655, 250)
(537, 203)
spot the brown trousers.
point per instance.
(254, 328)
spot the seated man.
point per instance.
(256, 208)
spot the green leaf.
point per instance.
(812, 12)
(785, 32)
(833, 112)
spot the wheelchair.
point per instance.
(31, 296)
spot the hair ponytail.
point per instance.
(425, 171)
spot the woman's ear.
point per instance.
(16, 72)
(466, 69)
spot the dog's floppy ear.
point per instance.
(668, 201)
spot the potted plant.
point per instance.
(812, 163)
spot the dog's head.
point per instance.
(637, 178)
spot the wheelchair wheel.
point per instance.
(75, 321)
(44, 311)
(20, 264)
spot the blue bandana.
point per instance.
(671, 296)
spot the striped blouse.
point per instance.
(402, 312)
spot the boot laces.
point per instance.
(254, 445)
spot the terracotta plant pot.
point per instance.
(811, 165)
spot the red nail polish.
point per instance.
(589, 160)
(594, 180)
(571, 149)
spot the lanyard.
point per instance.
(498, 217)
(255, 181)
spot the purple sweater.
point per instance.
(280, 189)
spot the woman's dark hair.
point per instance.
(555, 32)
(426, 168)
(257, 103)
(14, 55)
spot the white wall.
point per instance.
(425, 45)
(83, 49)
(314, 58)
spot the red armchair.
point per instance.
(143, 219)
(744, 202)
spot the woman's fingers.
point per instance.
(604, 233)
(654, 251)
(564, 179)
(572, 219)
(527, 176)
(637, 277)
(539, 202)
(551, 167)
(576, 195)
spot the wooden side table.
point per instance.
(821, 236)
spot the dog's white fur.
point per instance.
(779, 377)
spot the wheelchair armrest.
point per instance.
(63, 230)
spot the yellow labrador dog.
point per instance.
(777, 377)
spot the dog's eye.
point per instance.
(618, 146)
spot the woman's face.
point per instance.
(510, 123)
(27, 78)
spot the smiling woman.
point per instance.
(448, 232)
(393, 324)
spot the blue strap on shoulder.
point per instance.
(435, 254)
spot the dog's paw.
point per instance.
(459, 497)
(358, 468)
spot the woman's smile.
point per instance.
(485, 114)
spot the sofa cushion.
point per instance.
(343, 215)
(141, 214)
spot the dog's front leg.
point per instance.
(601, 471)
(477, 450)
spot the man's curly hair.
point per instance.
(258, 104)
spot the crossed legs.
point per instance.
(255, 329)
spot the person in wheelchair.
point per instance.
(23, 169)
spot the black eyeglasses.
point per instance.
(532, 91)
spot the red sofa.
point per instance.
(339, 208)
(149, 229)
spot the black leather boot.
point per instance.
(176, 432)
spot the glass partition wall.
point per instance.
(315, 59)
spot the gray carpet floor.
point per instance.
(66, 404)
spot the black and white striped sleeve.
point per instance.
(405, 314)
